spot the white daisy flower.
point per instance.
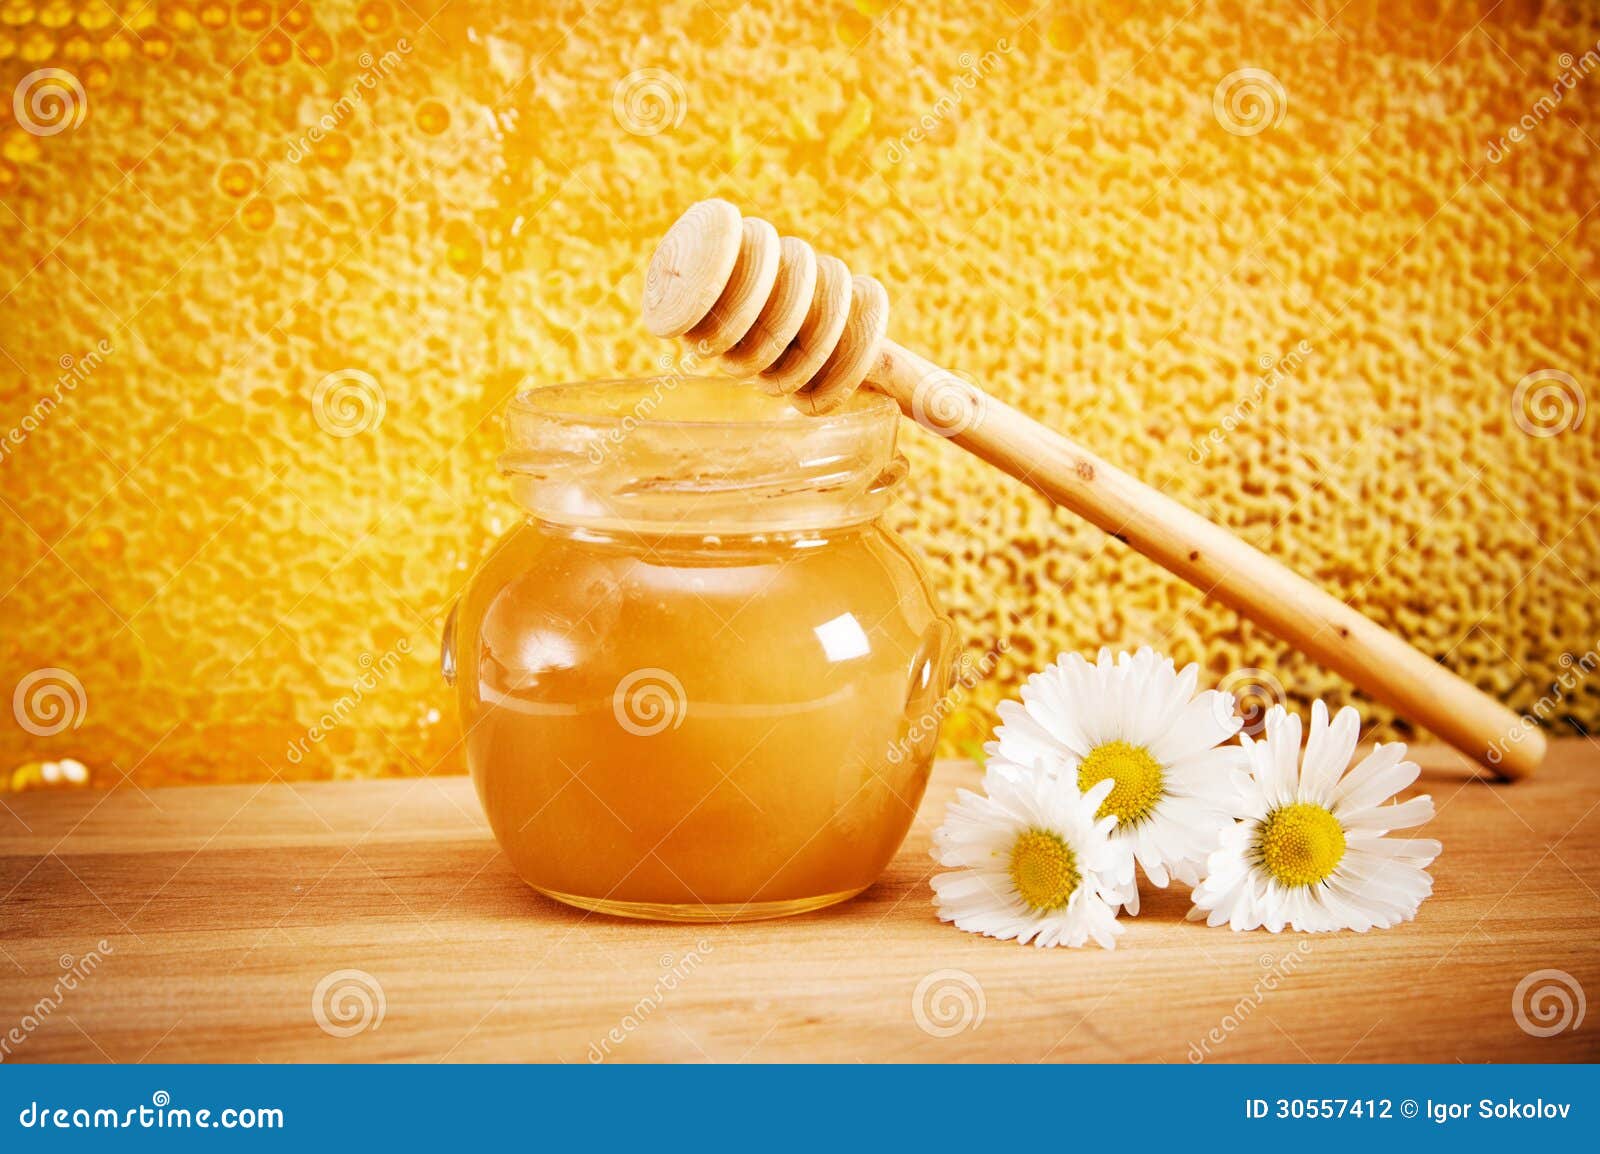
(1138, 723)
(1312, 851)
(1028, 860)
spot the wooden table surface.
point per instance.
(197, 924)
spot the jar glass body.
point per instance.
(727, 710)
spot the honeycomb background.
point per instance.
(1077, 227)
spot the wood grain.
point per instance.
(222, 907)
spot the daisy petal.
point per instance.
(1310, 849)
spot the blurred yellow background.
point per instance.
(1325, 271)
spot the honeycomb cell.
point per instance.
(55, 13)
(236, 179)
(156, 43)
(252, 15)
(275, 48)
(333, 151)
(294, 16)
(17, 13)
(432, 117)
(374, 16)
(20, 146)
(258, 214)
(176, 15)
(137, 15)
(96, 16)
(463, 249)
(316, 46)
(38, 45)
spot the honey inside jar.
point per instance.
(700, 680)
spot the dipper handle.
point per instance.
(769, 306)
(1213, 560)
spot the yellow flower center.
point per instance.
(1140, 781)
(1301, 844)
(1044, 869)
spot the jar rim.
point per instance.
(712, 454)
(539, 400)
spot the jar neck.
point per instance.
(695, 458)
(668, 544)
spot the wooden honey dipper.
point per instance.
(772, 308)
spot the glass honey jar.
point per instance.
(700, 679)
